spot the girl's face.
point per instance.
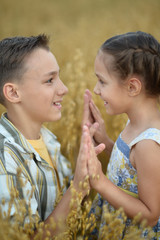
(109, 87)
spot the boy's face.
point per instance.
(41, 89)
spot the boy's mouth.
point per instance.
(57, 104)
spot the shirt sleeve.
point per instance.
(64, 170)
(17, 197)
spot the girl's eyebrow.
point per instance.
(99, 76)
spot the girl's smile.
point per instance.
(114, 94)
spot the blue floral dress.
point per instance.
(121, 172)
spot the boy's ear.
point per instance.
(10, 91)
(134, 86)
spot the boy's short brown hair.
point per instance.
(13, 52)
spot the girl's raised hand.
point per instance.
(89, 121)
(96, 124)
(92, 118)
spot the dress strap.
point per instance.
(150, 133)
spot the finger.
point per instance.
(87, 118)
(95, 111)
(89, 94)
(93, 128)
(85, 109)
(99, 148)
(91, 154)
(84, 141)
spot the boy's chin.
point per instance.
(56, 118)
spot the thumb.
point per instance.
(100, 148)
(94, 128)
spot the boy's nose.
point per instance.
(63, 90)
(96, 90)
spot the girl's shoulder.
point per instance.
(150, 133)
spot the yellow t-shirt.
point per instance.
(41, 148)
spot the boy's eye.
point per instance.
(49, 80)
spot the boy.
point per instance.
(32, 92)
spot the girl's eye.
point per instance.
(101, 81)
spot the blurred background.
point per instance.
(77, 29)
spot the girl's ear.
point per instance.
(134, 86)
(11, 94)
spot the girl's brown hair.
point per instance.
(136, 53)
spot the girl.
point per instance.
(128, 70)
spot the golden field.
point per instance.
(77, 29)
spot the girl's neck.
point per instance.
(145, 113)
(142, 116)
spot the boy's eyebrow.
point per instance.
(52, 73)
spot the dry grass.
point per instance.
(77, 29)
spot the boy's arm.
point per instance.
(63, 208)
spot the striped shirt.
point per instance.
(17, 153)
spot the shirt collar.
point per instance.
(15, 137)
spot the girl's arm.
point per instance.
(93, 119)
(146, 155)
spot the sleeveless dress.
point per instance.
(121, 172)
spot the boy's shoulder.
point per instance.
(6, 130)
(44, 130)
(50, 139)
(10, 135)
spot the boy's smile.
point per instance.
(41, 89)
(57, 104)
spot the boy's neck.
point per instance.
(29, 128)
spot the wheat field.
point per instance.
(77, 29)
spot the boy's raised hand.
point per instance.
(81, 171)
(88, 119)
(94, 166)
